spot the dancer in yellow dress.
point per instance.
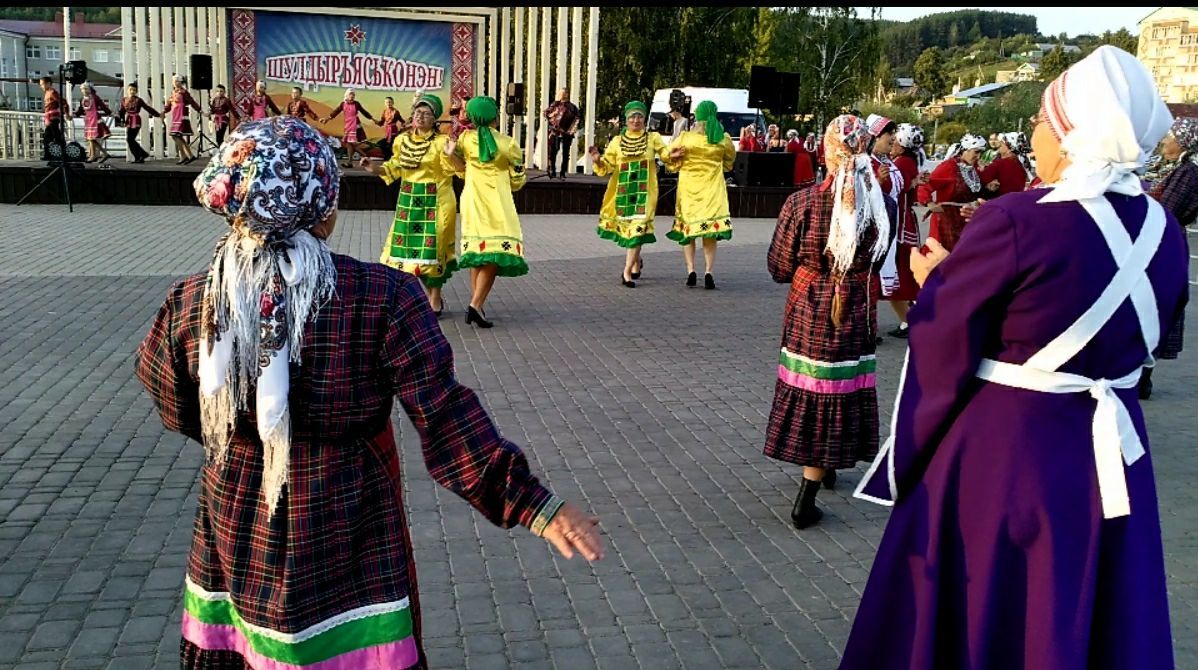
(630, 201)
(492, 242)
(423, 236)
(701, 156)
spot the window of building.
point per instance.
(33, 51)
(118, 56)
(3, 67)
(76, 54)
(53, 53)
(100, 55)
(35, 104)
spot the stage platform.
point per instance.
(165, 183)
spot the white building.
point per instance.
(31, 49)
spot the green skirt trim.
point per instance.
(437, 282)
(680, 239)
(626, 242)
(510, 265)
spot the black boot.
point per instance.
(830, 479)
(805, 513)
(1145, 384)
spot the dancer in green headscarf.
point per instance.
(492, 241)
(701, 156)
(423, 236)
(630, 201)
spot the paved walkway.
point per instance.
(647, 406)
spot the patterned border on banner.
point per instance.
(245, 57)
(462, 86)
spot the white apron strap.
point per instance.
(1142, 296)
(1132, 265)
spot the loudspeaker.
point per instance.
(788, 93)
(75, 71)
(201, 72)
(763, 87)
(515, 99)
(764, 169)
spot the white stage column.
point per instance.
(576, 93)
(505, 74)
(152, 89)
(592, 77)
(543, 135)
(530, 89)
(518, 70)
(221, 18)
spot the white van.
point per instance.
(732, 105)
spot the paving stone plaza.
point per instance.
(646, 406)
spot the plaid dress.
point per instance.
(825, 411)
(1178, 192)
(328, 581)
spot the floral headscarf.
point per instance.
(909, 136)
(1185, 131)
(1017, 141)
(272, 181)
(857, 198)
(968, 141)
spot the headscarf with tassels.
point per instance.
(706, 113)
(857, 198)
(482, 112)
(272, 180)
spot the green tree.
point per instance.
(1008, 112)
(1055, 62)
(950, 132)
(1122, 39)
(930, 74)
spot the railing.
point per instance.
(21, 135)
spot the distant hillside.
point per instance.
(90, 14)
(903, 42)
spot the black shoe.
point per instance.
(1145, 387)
(805, 514)
(899, 332)
(708, 282)
(626, 282)
(440, 310)
(181, 161)
(879, 340)
(637, 274)
(692, 279)
(829, 479)
(473, 316)
(552, 175)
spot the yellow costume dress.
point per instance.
(702, 199)
(630, 200)
(491, 232)
(422, 237)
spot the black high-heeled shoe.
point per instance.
(692, 280)
(708, 281)
(473, 316)
(627, 283)
(640, 268)
(440, 310)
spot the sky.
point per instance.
(1051, 20)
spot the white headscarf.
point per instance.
(1108, 115)
(348, 92)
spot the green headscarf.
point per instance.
(706, 112)
(433, 102)
(635, 106)
(482, 112)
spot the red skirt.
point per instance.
(96, 132)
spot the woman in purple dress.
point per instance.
(1018, 538)
(1177, 189)
(830, 240)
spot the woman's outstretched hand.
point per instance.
(572, 531)
(923, 263)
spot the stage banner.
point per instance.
(324, 55)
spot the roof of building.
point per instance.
(980, 90)
(79, 29)
(904, 82)
(1149, 15)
